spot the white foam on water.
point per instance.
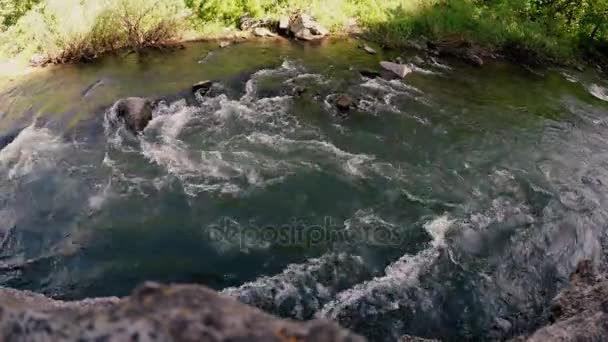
(599, 92)
(302, 289)
(402, 274)
(97, 201)
(33, 149)
(352, 164)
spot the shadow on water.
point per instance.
(452, 204)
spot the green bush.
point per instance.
(66, 30)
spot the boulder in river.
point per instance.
(306, 28)
(135, 111)
(344, 102)
(224, 44)
(370, 73)
(203, 87)
(9, 137)
(400, 70)
(153, 312)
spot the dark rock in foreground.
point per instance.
(153, 313)
(8, 138)
(578, 313)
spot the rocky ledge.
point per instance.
(579, 312)
(153, 312)
(157, 312)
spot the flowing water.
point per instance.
(452, 204)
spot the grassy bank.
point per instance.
(66, 30)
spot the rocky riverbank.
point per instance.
(157, 312)
(153, 313)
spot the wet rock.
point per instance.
(202, 87)
(153, 312)
(9, 137)
(88, 91)
(306, 28)
(344, 103)
(299, 90)
(369, 49)
(398, 69)
(370, 73)
(579, 312)
(225, 44)
(263, 32)
(205, 58)
(418, 60)
(474, 59)
(135, 111)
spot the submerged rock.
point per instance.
(135, 111)
(153, 312)
(398, 69)
(306, 28)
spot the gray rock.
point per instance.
(153, 312)
(224, 44)
(418, 60)
(202, 86)
(370, 73)
(369, 49)
(579, 312)
(284, 23)
(136, 112)
(247, 23)
(263, 32)
(344, 103)
(398, 69)
(38, 61)
(306, 28)
(9, 137)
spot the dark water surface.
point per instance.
(452, 204)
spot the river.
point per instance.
(452, 204)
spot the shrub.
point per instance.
(66, 30)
